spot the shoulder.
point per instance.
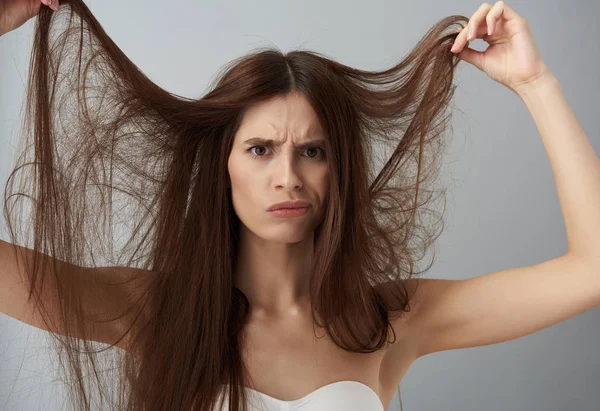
(124, 292)
(424, 295)
(402, 351)
(404, 320)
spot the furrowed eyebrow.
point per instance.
(269, 142)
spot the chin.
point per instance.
(285, 235)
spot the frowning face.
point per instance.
(292, 166)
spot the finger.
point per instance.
(460, 40)
(493, 16)
(509, 14)
(476, 20)
(475, 57)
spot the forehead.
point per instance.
(282, 115)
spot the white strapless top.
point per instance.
(337, 396)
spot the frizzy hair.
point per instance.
(107, 151)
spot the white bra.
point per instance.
(337, 396)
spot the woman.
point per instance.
(215, 292)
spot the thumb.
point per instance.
(472, 56)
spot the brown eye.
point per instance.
(320, 152)
(254, 155)
(313, 148)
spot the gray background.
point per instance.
(503, 209)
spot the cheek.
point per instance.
(243, 193)
(241, 180)
(235, 167)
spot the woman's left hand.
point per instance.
(512, 57)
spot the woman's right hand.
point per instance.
(13, 13)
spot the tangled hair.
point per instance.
(107, 152)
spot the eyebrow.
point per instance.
(269, 142)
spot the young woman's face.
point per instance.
(294, 167)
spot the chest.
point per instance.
(290, 360)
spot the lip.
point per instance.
(289, 212)
(289, 205)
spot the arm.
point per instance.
(109, 291)
(575, 166)
(508, 304)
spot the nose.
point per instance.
(286, 174)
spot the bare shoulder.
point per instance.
(415, 288)
(402, 346)
(400, 354)
(419, 290)
(120, 292)
(407, 327)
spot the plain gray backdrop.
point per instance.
(503, 209)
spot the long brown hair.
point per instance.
(107, 151)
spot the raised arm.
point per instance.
(109, 291)
(516, 302)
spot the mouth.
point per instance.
(290, 212)
(293, 204)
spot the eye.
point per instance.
(320, 151)
(252, 154)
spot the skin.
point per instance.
(273, 265)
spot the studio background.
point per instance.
(503, 209)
